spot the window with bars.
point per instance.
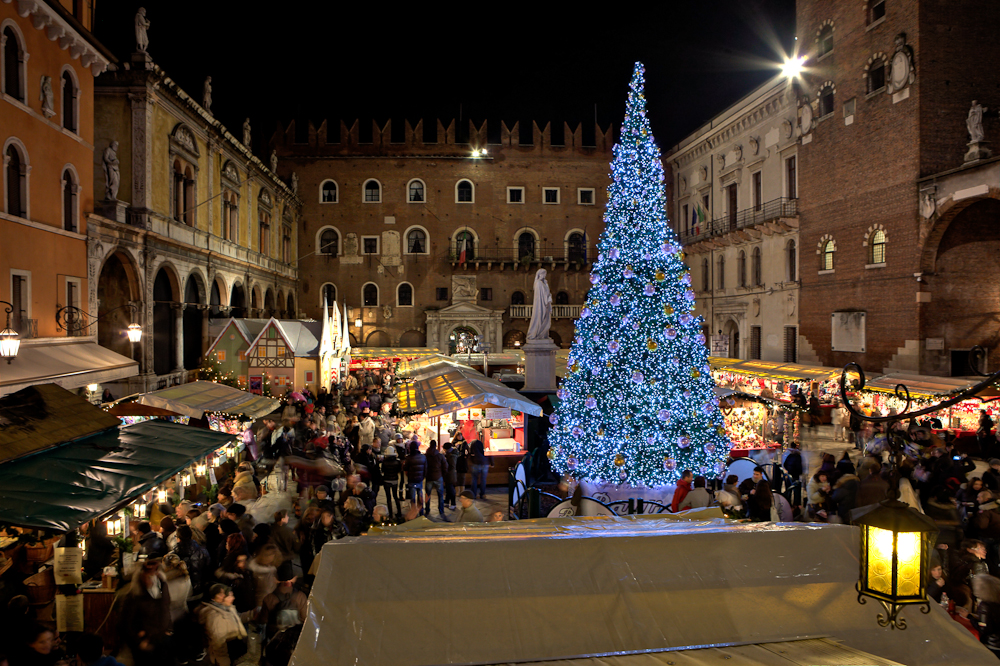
(876, 247)
(791, 344)
(373, 192)
(755, 343)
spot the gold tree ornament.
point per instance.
(660, 276)
(695, 374)
(619, 460)
(668, 310)
(651, 344)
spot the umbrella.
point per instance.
(298, 396)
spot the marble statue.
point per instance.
(141, 26)
(112, 177)
(975, 122)
(541, 315)
(206, 94)
(274, 161)
(295, 183)
(246, 133)
(47, 97)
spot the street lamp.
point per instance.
(10, 342)
(792, 67)
(134, 333)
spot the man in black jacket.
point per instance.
(150, 543)
(416, 470)
(437, 467)
(392, 469)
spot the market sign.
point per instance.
(495, 413)
(369, 365)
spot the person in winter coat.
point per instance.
(844, 496)
(244, 521)
(283, 536)
(437, 467)
(469, 513)
(263, 567)
(452, 455)
(235, 574)
(698, 497)
(357, 519)
(416, 470)
(194, 555)
(392, 469)
(462, 466)
(145, 616)
(150, 543)
(871, 490)
(285, 607)
(991, 478)
(224, 631)
(760, 499)
(479, 465)
(845, 465)
(986, 588)
(244, 482)
(817, 492)
(837, 418)
(366, 429)
(968, 499)
(683, 488)
(326, 528)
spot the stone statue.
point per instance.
(246, 133)
(295, 183)
(541, 315)
(112, 177)
(47, 97)
(206, 94)
(975, 122)
(141, 26)
(274, 161)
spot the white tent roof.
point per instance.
(590, 588)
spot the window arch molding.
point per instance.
(741, 269)
(73, 205)
(825, 99)
(336, 241)
(424, 246)
(24, 177)
(404, 289)
(824, 38)
(371, 191)
(416, 191)
(21, 94)
(875, 244)
(826, 250)
(465, 191)
(874, 73)
(71, 106)
(757, 267)
(323, 292)
(367, 290)
(575, 245)
(457, 235)
(791, 260)
(329, 192)
(535, 250)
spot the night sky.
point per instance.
(513, 62)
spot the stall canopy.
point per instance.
(595, 588)
(458, 388)
(40, 417)
(196, 398)
(792, 372)
(64, 487)
(68, 362)
(428, 366)
(393, 352)
(925, 386)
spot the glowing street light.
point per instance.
(793, 67)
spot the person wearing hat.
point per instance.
(392, 470)
(146, 622)
(284, 607)
(469, 513)
(991, 477)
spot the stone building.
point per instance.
(733, 203)
(48, 62)
(427, 231)
(199, 227)
(900, 225)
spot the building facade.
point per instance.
(733, 204)
(197, 228)
(48, 63)
(900, 225)
(424, 235)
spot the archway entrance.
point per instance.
(378, 339)
(115, 290)
(164, 329)
(732, 330)
(215, 301)
(460, 338)
(513, 339)
(237, 302)
(413, 339)
(192, 325)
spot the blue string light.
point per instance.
(638, 404)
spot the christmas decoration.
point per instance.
(657, 409)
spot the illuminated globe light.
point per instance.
(700, 338)
(561, 394)
(689, 295)
(585, 312)
(651, 344)
(577, 431)
(571, 463)
(594, 278)
(626, 320)
(651, 439)
(668, 310)
(616, 300)
(604, 288)
(684, 441)
(638, 377)
(551, 454)
(554, 418)
(709, 448)
(663, 415)
(660, 276)
(622, 474)
(667, 249)
(671, 333)
(636, 326)
(685, 319)
(669, 464)
(591, 402)
(613, 253)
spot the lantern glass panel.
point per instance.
(908, 564)
(879, 560)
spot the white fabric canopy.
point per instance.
(196, 398)
(69, 364)
(459, 388)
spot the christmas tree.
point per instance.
(638, 403)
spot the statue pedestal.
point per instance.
(141, 60)
(977, 151)
(113, 210)
(539, 365)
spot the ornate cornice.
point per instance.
(59, 29)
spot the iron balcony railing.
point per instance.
(765, 212)
(574, 254)
(558, 311)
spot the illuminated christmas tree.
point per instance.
(638, 403)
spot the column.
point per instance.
(178, 309)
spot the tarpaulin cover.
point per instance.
(528, 591)
(459, 388)
(68, 362)
(196, 398)
(925, 386)
(794, 372)
(40, 417)
(428, 366)
(62, 488)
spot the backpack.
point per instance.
(286, 613)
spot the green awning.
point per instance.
(62, 488)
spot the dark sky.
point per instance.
(332, 60)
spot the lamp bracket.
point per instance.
(71, 318)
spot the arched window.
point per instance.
(876, 75)
(791, 260)
(826, 101)
(827, 257)
(741, 269)
(526, 245)
(373, 191)
(231, 216)
(825, 41)
(464, 192)
(69, 200)
(706, 278)
(416, 241)
(370, 295)
(576, 248)
(562, 298)
(328, 192)
(404, 295)
(328, 294)
(184, 203)
(465, 246)
(264, 222)
(517, 298)
(70, 92)
(758, 271)
(16, 177)
(876, 247)
(329, 243)
(415, 191)
(722, 271)
(13, 64)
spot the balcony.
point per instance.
(558, 311)
(540, 256)
(772, 211)
(26, 328)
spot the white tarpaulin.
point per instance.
(196, 398)
(455, 388)
(576, 588)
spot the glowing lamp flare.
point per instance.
(792, 67)
(134, 333)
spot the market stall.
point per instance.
(461, 399)
(380, 358)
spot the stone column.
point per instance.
(205, 336)
(178, 309)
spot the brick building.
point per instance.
(422, 231)
(900, 231)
